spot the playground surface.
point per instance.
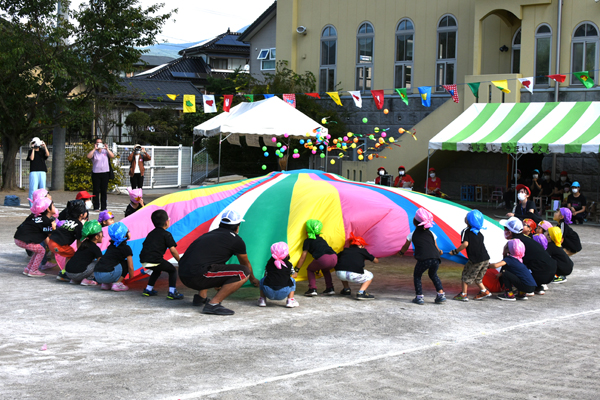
(108, 345)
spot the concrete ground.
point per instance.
(107, 345)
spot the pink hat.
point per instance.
(37, 194)
(545, 225)
(40, 205)
(517, 249)
(424, 217)
(279, 251)
(135, 195)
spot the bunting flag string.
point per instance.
(474, 86)
(356, 96)
(335, 97)
(227, 100)
(172, 96)
(378, 98)
(557, 77)
(453, 91)
(425, 92)
(584, 77)
(249, 97)
(315, 95)
(403, 95)
(527, 83)
(189, 103)
(209, 103)
(502, 85)
(290, 99)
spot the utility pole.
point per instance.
(59, 133)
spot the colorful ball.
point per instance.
(335, 141)
(301, 141)
(264, 167)
(400, 130)
(264, 148)
(355, 140)
(332, 161)
(345, 138)
(392, 140)
(278, 144)
(353, 145)
(322, 155)
(350, 134)
(285, 135)
(314, 151)
(383, 134)
(324, 121)
(273, 140)
(386, 111)
(295, 151)
(361, 157)
(376, 130)
(266, 154)
(370, 157)
(365, 120)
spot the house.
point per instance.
(148, 62)
(183, 69)
(261, 35)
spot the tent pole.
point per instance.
(429, 154)
(287, 159)
(219, 169)
(326, 156)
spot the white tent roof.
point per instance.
(272, 117)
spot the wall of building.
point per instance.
(263, 39)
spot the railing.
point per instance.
(202, 166)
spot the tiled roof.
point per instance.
(249, 31)
(156, 90)
(153, 61)
(185, 68)
(224, 43)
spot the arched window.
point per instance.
(364, 56)
(543, 51)
(405, 44)
(584, 50)
(327, 72)
(446, 52)
(516, 53)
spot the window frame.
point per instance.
(584, 40)
(403, 64)
(535, 58)
(329, 84)
(445, 61)
(271, 56)
(515, 47)
(364, 66)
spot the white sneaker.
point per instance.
(261, 302)
(545, 286)
(291, 303)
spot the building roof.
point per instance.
(151, 93)
(153, 61)
(259, 23)
(224, 43)
(192, 69)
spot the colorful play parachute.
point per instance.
(276, 207)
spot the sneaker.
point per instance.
(261, 302)
(311, 292)
(48, 265)
(88, 282)
(198, 300)
(544, 286)
(560, 279)
(482, 295)
(119, 287)
(74, 282)
(291, 303)
(216, 309)
(440, 298)
(530, 294)
(329, 291)
(521, 296)
(539, 291)
(149, 293)
(105, 286)
(174, 295)
(364, 296)
(35, 273)
(346, 292)
(62, 276)
(508, 296)
(418, 300)
(26, 271)
(461, 297)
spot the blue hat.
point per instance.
(475, 221)
(575, 184)
(118, 233)
(537, 171)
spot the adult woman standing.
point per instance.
(136, 170)
(577, 203)
(37, 156)
(100, 157)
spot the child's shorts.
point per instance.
(279, 294)
(474, 272)
(63, 250)
(354, 277)
(109, 277)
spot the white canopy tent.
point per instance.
(270, 117)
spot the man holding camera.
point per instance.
(100, 157)
(37, 156)
(136, 169)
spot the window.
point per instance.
(328, 59)
(218, 63)
(446, 52)
(405, 44)
(364, 57)
(516, 53)
(543, 43)
(584, 51)
(267, 57)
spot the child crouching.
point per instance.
(514, 273)
(80, 268)
(279, 281)
(117, 260)
(351, 267)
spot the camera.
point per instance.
(100, 145)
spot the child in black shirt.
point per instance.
(571, 242)
(135, 201)
(478, 257)
(325, 258)
(67, 233)
(80, 268)
(117, 261)
(351, 267)
(279, 281)
(564, 264)
(152, 255)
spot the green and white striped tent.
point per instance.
(517, 128)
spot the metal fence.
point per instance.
(202, 166)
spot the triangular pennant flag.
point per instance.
(502, 85)
(172, 96)
(585, 78)
(527, 83)
(335, 97)
(290, 99)
(557, 77)
(209, 103)
(315, 95)
(227, 100)
(268, 96)
(356, 97)
(425, 92)
(453, 91)
(403, 95)
(474, 86)
(378, 98)
(249, 97)
(189, 103)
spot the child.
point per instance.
(33, 233)
(543, 227)
(279, 281)
(514, 272)
(351, 267)
(564, 264)
(427, 254)
(80, 268)
(478, 257)
(39, 194)
(325, 258)
(571, 243)
(83, 195)
(152, 255)
(541, 239)
(66, 234)
(116, 262)
(106, 218)
(529, 227)
(136, 202)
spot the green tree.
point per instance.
(137, 122)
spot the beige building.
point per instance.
(387, 44)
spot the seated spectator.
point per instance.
(547, 186)
(434, 184)
(559, 186)
(536, 184)
(403, 180)
(383, 178)
(509, 195)
(525, 208)
(577, 203)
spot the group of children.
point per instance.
(535, 254)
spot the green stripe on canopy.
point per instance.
(511, 145)
(473, 127)
(591, 133)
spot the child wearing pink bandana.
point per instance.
(135, 201)
(514, 273)
(278, 282)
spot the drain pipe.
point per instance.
(557, 85)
